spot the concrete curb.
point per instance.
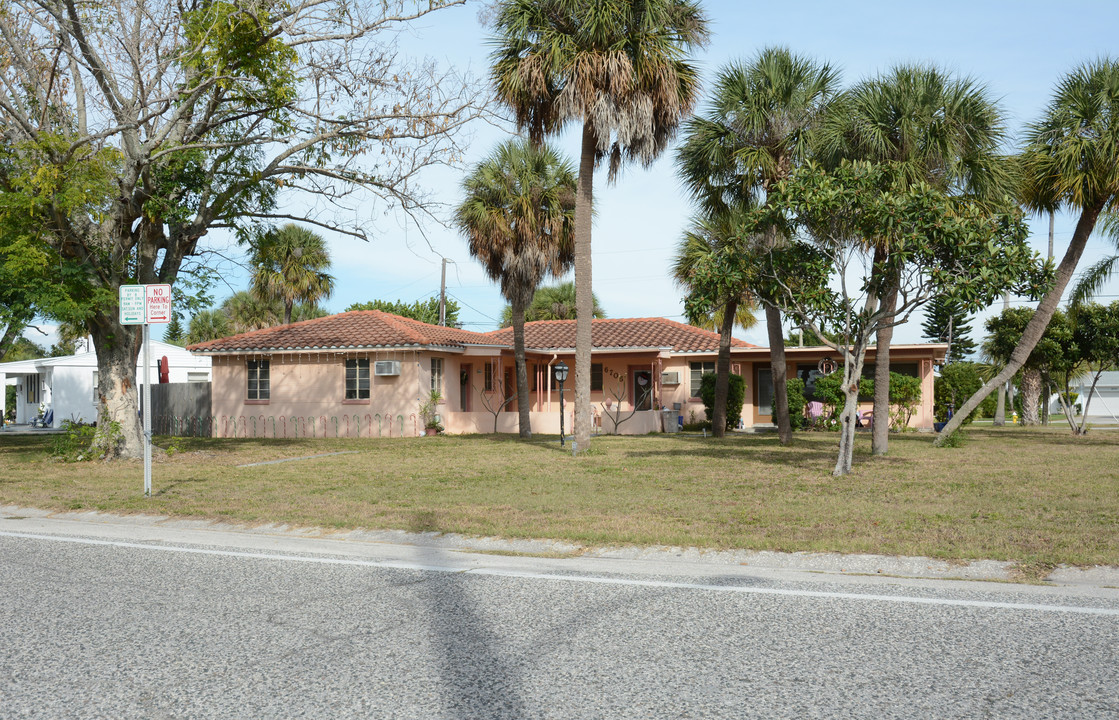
(705, 561)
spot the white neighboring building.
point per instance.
(68, 384)
(1105, 399)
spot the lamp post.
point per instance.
(561, 375)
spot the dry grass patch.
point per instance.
(1039, 497)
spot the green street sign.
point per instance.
(132, 305)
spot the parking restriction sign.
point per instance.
(158, 303)
(132, 305)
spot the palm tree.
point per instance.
(757, 129)
(707, 235)
(1071, 159)
(207, 325)
(245, 311)
(290, 266)
(518, 216)
(552, 302)
(928, 127)
(619, 67)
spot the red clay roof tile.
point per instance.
(373, 328)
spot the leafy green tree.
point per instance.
(957, 382)
(289, 266)
(1071, 160)
(1004, 332)
(928, 127)
(518, 216)
(1094, 349)
(946, 322)
(954, 247)
(708, 235)
(619, 68)
(757, 129)
(426, 311)
(174, 333)
(126, 142)
(736, 394)
(552, 302)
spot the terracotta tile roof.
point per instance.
(618, 333)
(375, 329)
(350, 330)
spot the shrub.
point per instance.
(957, 382)
(795, 394)
(829, 391)
(736, 392)
(74, 443)
(905, 396)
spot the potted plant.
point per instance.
(429, 413)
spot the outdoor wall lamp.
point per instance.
(561, 375)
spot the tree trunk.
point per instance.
(722, 372)
(584, 298)
(779, 373)
(1031, 394)
(287, 313)
(1000, 408)
(1037, 324)
(119, 433)
(880, 433)
(852, 372)
(524, 406)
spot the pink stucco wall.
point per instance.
(308, 391)
(307, 397)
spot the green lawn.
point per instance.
(1039, 496)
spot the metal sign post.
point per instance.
(143, 305)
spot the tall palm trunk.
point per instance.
(287, 312)
(1035, 328)
(722, 371)
(524, 406)
(1031, 396)
(584, 298)
(779, 373)
(880, 433)
(1000, 408)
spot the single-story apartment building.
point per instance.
(366, 373)
(67, 385)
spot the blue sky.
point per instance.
(1018, 49)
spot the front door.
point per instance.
(642, 390)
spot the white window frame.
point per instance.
(695, 377)
(360, 372)
(262, 392)
(437, 375)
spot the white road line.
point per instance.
(496, 572)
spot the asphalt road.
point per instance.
(112, 625)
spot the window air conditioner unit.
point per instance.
(670, 378)
(386, 367)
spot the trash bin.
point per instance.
(668, 415)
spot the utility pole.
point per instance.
(443, 295)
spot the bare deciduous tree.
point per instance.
(133, 127)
